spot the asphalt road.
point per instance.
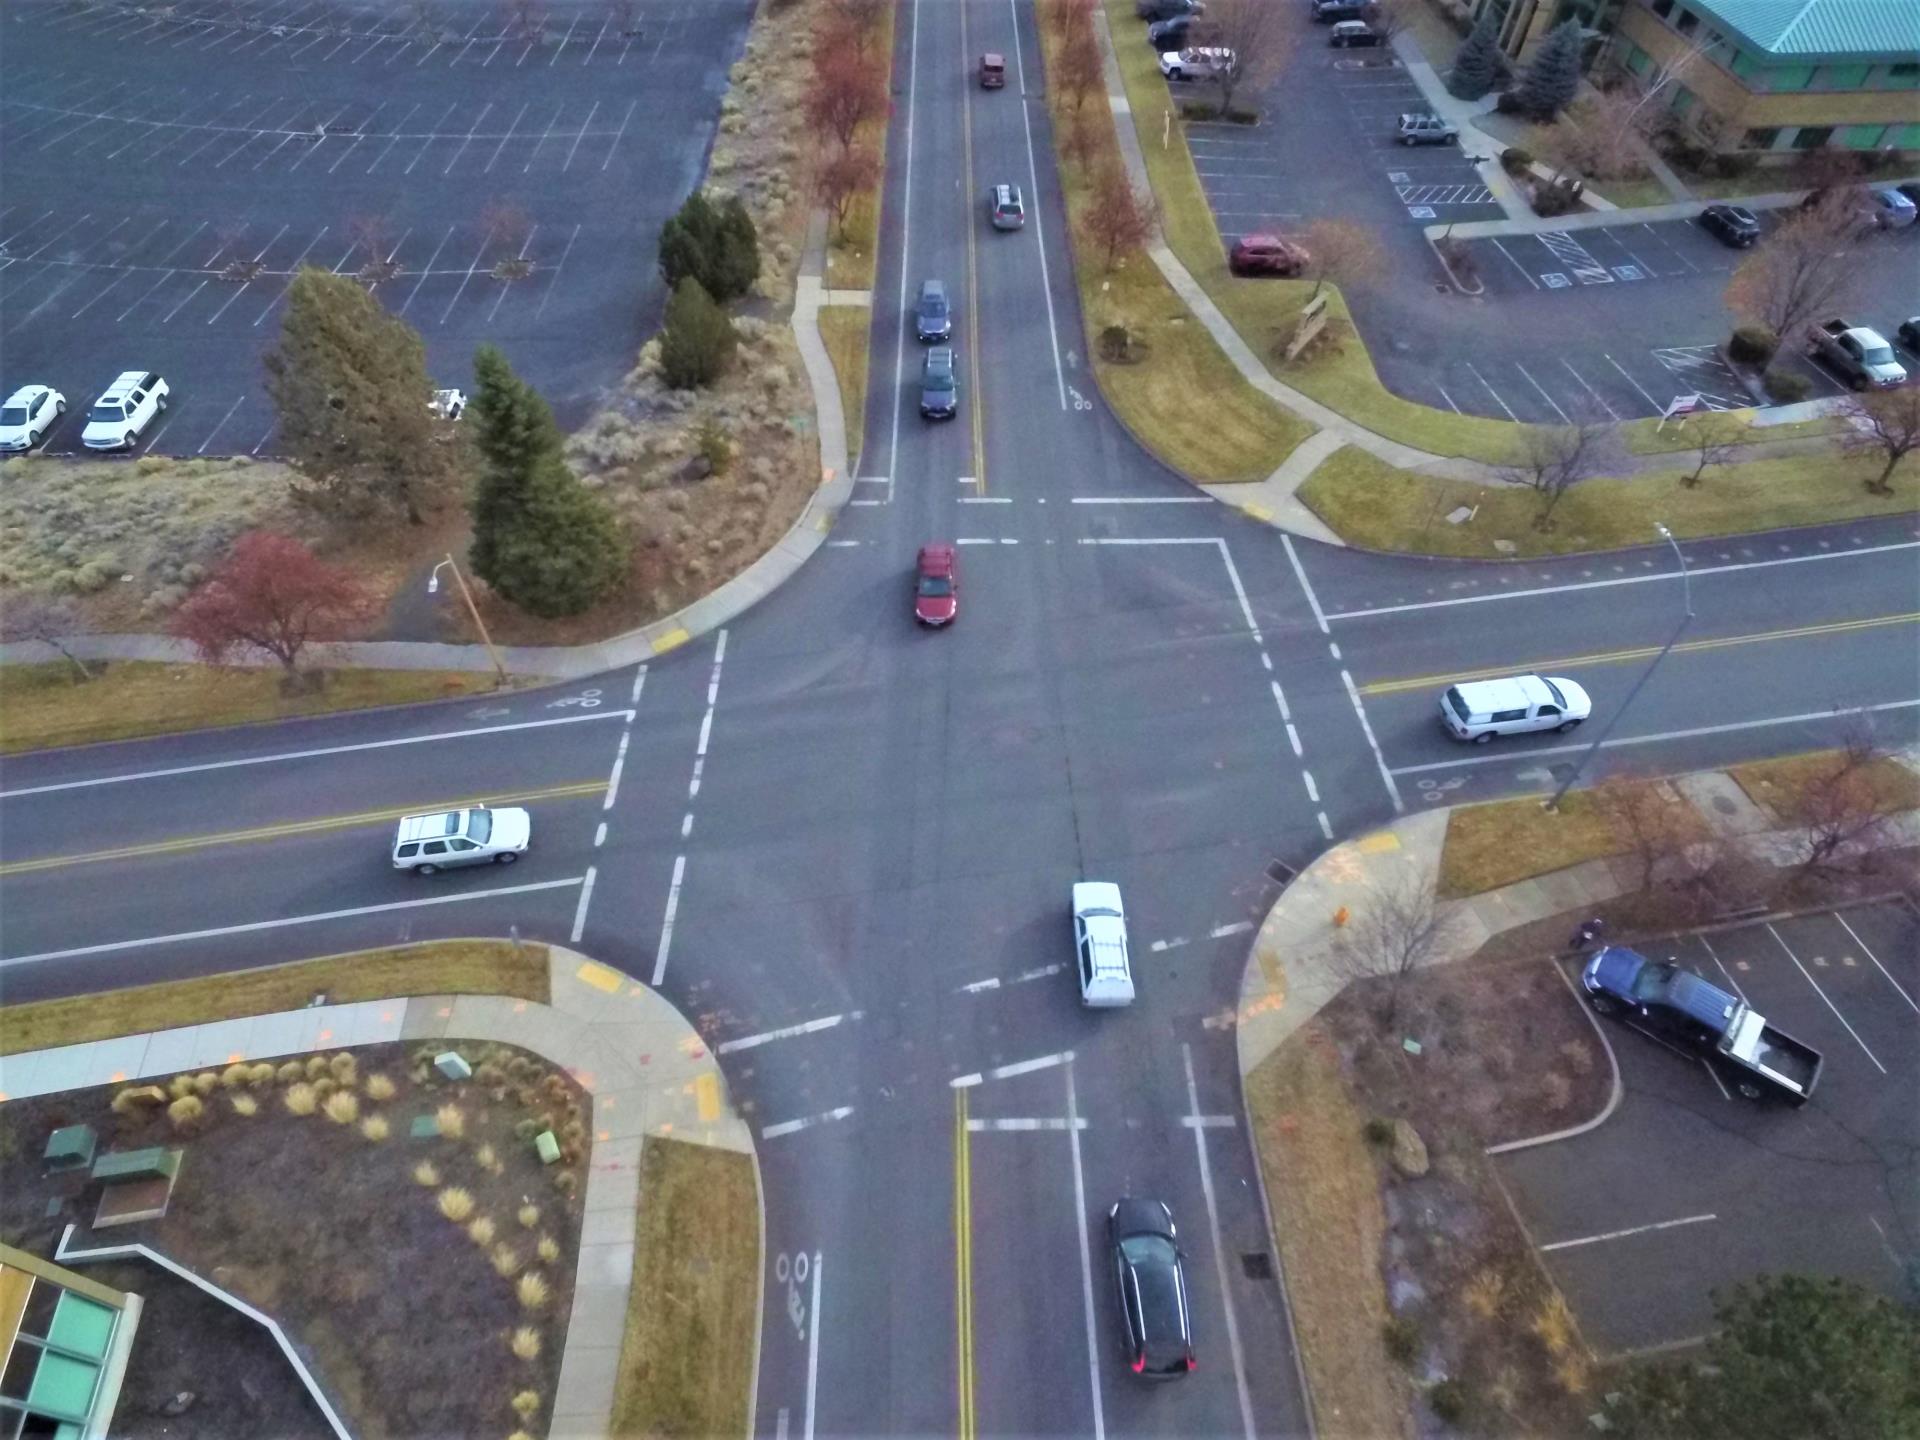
(166, 174)
(845, 845)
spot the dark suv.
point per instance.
(1151, 1287)
(939, 395)
(932, 316)
(1735, 225)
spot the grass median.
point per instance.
(44, 705)
(1507, 841)
(844, 330)
(1184, 399)
(686, 1362)
(1373, 504)
(435, 967)
(1778, 786)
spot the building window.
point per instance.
(1638, 61)
(1862, 137)
(1745, 66)
(1843, 77)
(1904, 137)
(1687, 23)
(1683, 100)
(1763, 139)
(1812, 137)
(1903, 77)
(1662, 8)
(1788, 77)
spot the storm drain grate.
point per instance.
(1257, 1263)
(1281, 874)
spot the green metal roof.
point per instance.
(1820, 29)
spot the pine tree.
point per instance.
(739, 264)
(350, 383)
(714, 244)
(1478, 64)
(698, 339)
(1553, 78)
(541, 539)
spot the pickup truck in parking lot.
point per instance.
(1862, 356)
(1756, 1059)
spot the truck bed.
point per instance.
(1779, 1056)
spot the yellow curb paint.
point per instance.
(1258, 512)
(672, 640)
(599, 977)
(1378, 843)
(706, 1094)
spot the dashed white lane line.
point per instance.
(1623, 1234)
(792, 1127)
(986, 499)
(580, 910)
(785, 1032)
(1174, 944)
(1208, 1122)
(994, 982)
(1007, 1072)
(1239, 927)
(1022, 1123)
(666, 925)
(619, 764)
(1199, 1129)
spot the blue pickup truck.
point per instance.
(1757, 1060)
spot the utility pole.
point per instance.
(433, 585)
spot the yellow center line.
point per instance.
(294, 827)
(963, 1260)
(1638, 652)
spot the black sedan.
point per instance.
(1734, 224)
(1152, 1289)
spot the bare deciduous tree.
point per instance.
(1078, 71)
(509, 229)
(1886, 425)
(1389, 17)
(1118, 218)
(1260, 36)
(44, 620)
(1082, 141)
(1796, 275)
(1341, 252)
(1553, 459)
(1066, 17)
(1844, 811)
(372, 235)
(1399, 927)
(1654, 824)
(1715, 439)
(859, 20)
(840, 175)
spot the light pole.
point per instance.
(433, 586)
(1686, 618)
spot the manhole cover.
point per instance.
(1258, 1264)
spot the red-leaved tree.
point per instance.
(271, 594)
(846, 91)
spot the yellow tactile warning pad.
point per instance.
(599, 977)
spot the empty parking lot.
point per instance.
(165, 175)
(1688, 1188)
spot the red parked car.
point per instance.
(936, 590)
(1266, 255)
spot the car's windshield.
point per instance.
(1148, 1250)
(1554, 690)
(107, 414)
(13, 415)
(1458, 706)
(933, 307)
(1877, 354)
(479, 826)
(935, 585)
(939, 380)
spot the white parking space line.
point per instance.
(1143, 500)
(1698, 572)
(1820, 990)
(785, 1032)
(1725, 973)
(793, 1127)
(1219, 1247)
(1488, 387)
(1598, 398)
(1525, 273)
(1876, 962)
(1635, 383)
(287, 921)
(1623, 1234)
(1528, 375)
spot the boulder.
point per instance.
(1407, 1150)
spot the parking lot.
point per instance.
(166, 174)
(1687, 1188)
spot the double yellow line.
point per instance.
(963, 1260)
(292, 827)
(1641, 652)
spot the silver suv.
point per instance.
(427, 843)
(1426, 130)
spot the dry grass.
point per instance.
(456, 1203)
(481, 1231)
(426, 1174)
(380, 1087)
(375, 1128)
(845, 330)
(41, 706)
(1497, 844)
(301, 1099)
(451, 1120)
(1322, 1187)
(342, 1107)
(696, 1269)
(525, 1343)
(450, 967)
(532, 1291)
(1776, 785)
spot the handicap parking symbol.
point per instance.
(1629, 272)
(1421, 212)
(1554, 280)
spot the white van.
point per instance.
(1478, 710)
(1100, 940)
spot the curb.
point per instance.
(1606, 1111)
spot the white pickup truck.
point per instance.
(1862, 356)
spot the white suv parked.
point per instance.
(30, 412)
(120, 416)
(427, 843)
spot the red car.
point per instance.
(993, 71)
(1266, 255)
(936, 590)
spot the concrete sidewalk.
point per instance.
(647, 1069)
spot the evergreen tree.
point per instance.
(1553, 78)
(541, 539)
(351, 387)
(714, 244)
(698, 339)
(1478, 64)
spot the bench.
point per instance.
(155, 1163)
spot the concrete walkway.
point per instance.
(647, 1069)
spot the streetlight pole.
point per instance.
(433, 585)
(1686, 618)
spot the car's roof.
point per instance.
(423, 827)
(27, 392)
(1503, 693)
(933, 287)
(993, 57)
(125, 380)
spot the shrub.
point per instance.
(1752, 345)
(131, 1101)
(455, 1203)
(712, 443)
(697, 339)
(288, 1073)
(1510, 103)
(532, 1291)
(316, 1066)
(375, 1128)
(324, 1086)
(180, 1085)
(713, 244)
(343, 1068)
(1378, 1131)
(342, 1107)
(186, 1112)
(529, 1216)
(1401, 1336)
(1449, 1401)
(526, 1343)
(244, 1104)
(300, 1099)
(481, 1231)
(426, 1174)
(526, 1404)
(1516, 161)
(1786, 386)
(261, 1075)
(506, 1259)
(548, 1249)
(486, 1157)
(379, 1087)
(566, 1181)
(451, 1120)
(236, 1074)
